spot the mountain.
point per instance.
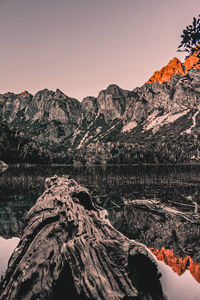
(175, 66)
(46, 116)
(154, 123)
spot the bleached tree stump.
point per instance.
(69, 250)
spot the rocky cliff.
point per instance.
(175, 66)
(46, 116)
(153, 123)
(158, 122)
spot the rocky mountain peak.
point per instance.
(44, 92)
(59, 94)
(89, 103)
(113, 89)
(175, 66)
(111, 102)
(24, 93)
(191, 62)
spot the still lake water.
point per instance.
(110, 187)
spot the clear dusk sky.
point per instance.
(82, 46)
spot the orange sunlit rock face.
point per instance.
(191, 62)
(178, 264)
(175, 67)
(23, 93)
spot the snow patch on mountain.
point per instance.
(129, 126)
(188, 131)
(154, 122)
(83, 139)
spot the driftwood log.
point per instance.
(155, 206)
(69, 250)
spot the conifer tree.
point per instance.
(191, 39)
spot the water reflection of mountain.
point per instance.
(11, 217)
(112, 186)
(178, 264)
(159, 230)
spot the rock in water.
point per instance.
(3, 166)
(69, 250)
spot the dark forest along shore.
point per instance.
(173, 184)
(115, 188)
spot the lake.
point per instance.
(114, 187)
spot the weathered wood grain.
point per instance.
(69, 250)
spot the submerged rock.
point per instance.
(3, 166)
(70, 250)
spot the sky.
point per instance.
(82, 46)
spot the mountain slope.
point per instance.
(15, 148)
(153, 123)
(175, 67)
(46, 116)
